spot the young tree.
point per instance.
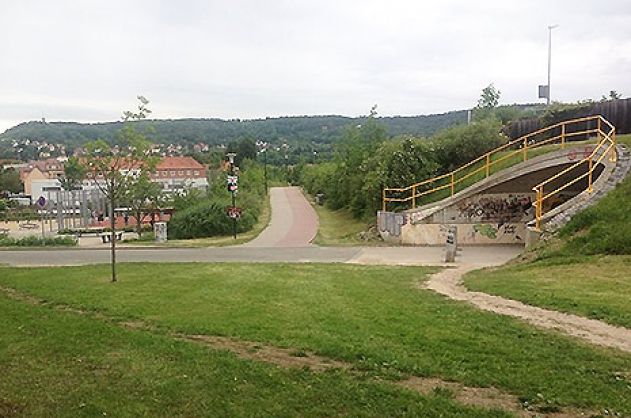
(114, 167)
(489, 98)
(142, 197)
(74, 173)
(613, 95)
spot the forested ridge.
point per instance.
(292, 129)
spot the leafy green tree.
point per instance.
(457, 146)
(113, 167)
(489, 98)
(142, 196)
(245, 149)
(74, 173)
(613, 95)
(10, 181)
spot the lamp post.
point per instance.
(232, 185)
(263, 151)
(549, 58)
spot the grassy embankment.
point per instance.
(586, 270)
(374, 318)
(339, 227)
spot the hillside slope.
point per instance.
(307, 129)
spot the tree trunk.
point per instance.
(139, 223)
(113, 239)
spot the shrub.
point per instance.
(37, 241)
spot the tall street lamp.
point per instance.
(549, 58)
(263, 146)
(232, 186)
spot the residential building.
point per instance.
(178, 173)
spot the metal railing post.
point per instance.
(589, 175)
(383, 200)
(413, 197)
(599, 130)
(525, 147)
(563, 136)
(539, 207)
(614, 154)
(452, 184)
(488, 164)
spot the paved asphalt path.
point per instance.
(294, 222)
(288, 238)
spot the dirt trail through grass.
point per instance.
(448, 282)
(481, 397)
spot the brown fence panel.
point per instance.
(618, 112)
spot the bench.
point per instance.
(28, 225)
(4, 231)
(107, 236)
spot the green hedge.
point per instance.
(37, 241)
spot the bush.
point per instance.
(37, 241)
(205, 216)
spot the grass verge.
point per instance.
(339, 227)
(372, 317)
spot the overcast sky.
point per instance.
(87, 60)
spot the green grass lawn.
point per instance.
(371, 317)
(62, 364)
(339, 227)
(593, 286)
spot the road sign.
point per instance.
(41, 202)
(233, 212)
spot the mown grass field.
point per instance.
(596, 287)
(371, 317)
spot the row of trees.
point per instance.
(366, 162)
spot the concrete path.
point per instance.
(448, 282)
(421, 256)
(294, 222)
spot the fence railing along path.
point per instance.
(518, 150)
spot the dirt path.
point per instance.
(448, 282)
(294, 222)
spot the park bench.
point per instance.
(28, 225)
(107, 236)
(4, 231)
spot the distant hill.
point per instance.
(293, 130)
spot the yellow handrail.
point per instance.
(608, 147)
(523, 144)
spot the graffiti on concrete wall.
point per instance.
(391, 223)
(490, 231)
(495, 208)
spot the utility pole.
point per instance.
(549, 58)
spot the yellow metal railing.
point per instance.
(606, 146)
(518, 147)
